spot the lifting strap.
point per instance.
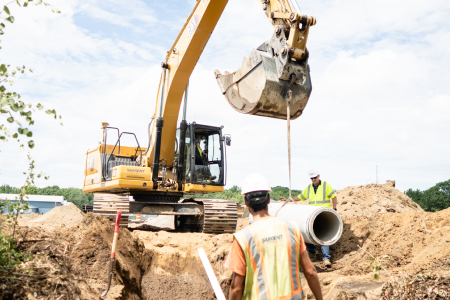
(288, 97)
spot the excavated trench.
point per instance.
(165, 265)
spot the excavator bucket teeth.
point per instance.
(260, 85)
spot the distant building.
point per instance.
(37, 203)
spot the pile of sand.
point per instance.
(366, 200)
(413, 241)
(369, 199)
(66, 214)
(28, 217)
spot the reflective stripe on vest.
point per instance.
(271, 249)
(324, 194)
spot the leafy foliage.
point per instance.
(282, 192)
(15, 112)
(377, 265)
(434, 199)
(18, 114)
(74, 195)
(9, 256)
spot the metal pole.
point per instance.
(163, 82)
(159, 127)
(185, 102)
(182, 143)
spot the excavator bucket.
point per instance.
(261, 85)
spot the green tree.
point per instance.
(74, 195)
(17, 114)
(434, 199)
(234, 193)
(282, 192)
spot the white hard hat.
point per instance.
(313, 173)
(255, 182)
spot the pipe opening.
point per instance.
(326, 226)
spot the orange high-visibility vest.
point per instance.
(272, 254)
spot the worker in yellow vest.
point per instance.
(266, 256)
(319, 193)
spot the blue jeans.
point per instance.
(325, 250)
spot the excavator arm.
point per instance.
(176, 70)
(288, 55)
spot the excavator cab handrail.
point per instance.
(114, 148)
(106, 137)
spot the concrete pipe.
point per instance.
(319, 225)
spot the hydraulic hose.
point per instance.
(149, 135)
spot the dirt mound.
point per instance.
(28, 217)
(66, 214)
(74, 261)
(412, 242)
(366, 200)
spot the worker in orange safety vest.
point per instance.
(266, 256)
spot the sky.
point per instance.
(379, 71)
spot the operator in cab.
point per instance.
(201, 157)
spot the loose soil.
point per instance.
(75, 250)
(370, 199)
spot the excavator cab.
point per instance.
(204, 156)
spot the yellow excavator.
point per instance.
(191, 158)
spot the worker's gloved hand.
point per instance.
(282, 199)
(335, 209)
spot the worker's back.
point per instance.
(272, 250)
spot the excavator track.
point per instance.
(108, 204)
(217, 216)
(220, 216)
